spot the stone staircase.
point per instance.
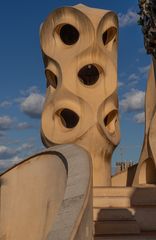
(124, 213)
(142, 236)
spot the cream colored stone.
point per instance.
(146, 170)
(132, 207)
(113, 191)
(81, 105)
(124, 178)
(48, 197)
(31, 194)
(74, 220)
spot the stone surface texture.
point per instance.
(79, 46)
(48, 197)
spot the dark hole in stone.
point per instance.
(69, 118)
(51, 79)
(108, 35)
(104, 37)
(89, 74)
(69, 34)
(110, 121)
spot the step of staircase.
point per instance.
(144, 196)
(142, 236)
(113, 191)
(106, 197)
(116, 227)
(115, 221)
(120, 211)
(117, 214)
(124, 196)
(111, 202)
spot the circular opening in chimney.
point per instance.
(108, 35)
(51, 78)
(110, 121)
(68, 118)
(69, 34)
(89, 74)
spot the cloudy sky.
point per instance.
(23, 82)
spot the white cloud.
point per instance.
(5, 104)
(11, 156)
(32, 105)
(133, 100)
(26, 93)
(19, 100)
(25, 147)
(139, 117)
(133, 79)
(133, 83)
(6, 152)
(30, 90)
(120, 84)
(128, 18)
(133, 76)
(23, 125)
(15, 159)
(144, 70)
(7, 163)
(6, 122)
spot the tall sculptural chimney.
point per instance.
(79, 46)
(146, 169)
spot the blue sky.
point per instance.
(23, 82)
